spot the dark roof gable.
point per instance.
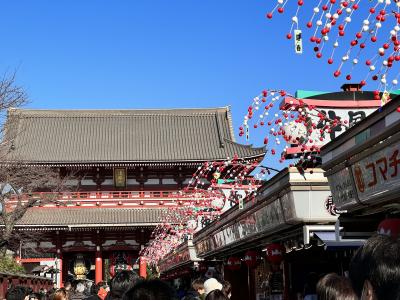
(125, 136)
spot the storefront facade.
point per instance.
(289, 228)
(362, 167)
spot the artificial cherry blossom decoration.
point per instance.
(287, 124)
(349, 33)
(212, 189)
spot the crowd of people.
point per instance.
(374, 274)
(126, 285)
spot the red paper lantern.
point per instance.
(275, 253)
(390, 227)
(234, 263)
(250, 258)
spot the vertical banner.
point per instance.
(298, 42)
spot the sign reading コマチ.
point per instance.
(377, 173)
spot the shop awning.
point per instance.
(330, 241)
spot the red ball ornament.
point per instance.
(319, 55)
(337, 73)
(330, 61)
(280, 10)
(398, 109)
(269, 15)
(275, 253)
(309, 24)
(374, 39)
(300, 2)
(348, 77)
(288, 36)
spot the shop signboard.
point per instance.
(262, 220)
(378, 173)
(342, 189)
(352, 115)
(175, 259)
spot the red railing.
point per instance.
(112, 197)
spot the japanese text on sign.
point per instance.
(377, 173)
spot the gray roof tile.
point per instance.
(91, 216)
(175, 135)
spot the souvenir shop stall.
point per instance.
(281, 237)
(362, 166)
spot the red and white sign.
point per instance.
(275, 253)
(234, 263)
(377, 173)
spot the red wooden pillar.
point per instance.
(142, 267)
(98, 267)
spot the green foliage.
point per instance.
(152, 272)
(9, 265)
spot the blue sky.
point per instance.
(153, 53)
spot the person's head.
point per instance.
(211, 285)
(67, 285)
(34, 296)
(80, 287)
(94, 289)
(216, 295)
(60, 294)
(17, 293)
(375, 269)
(227, 289)
(121, 282)
(335, 287)
(149, 290)
(198, 285)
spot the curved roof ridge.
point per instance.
(244, 145)
(108, 110)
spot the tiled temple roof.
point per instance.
(62, 137)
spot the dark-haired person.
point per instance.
(67, 286)
(17, 293)
(93, 293)
(216, 295)
(150, 290)
(227, 289)
(375, 269)
(120, 283)
(335, 287)
(196, 291)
